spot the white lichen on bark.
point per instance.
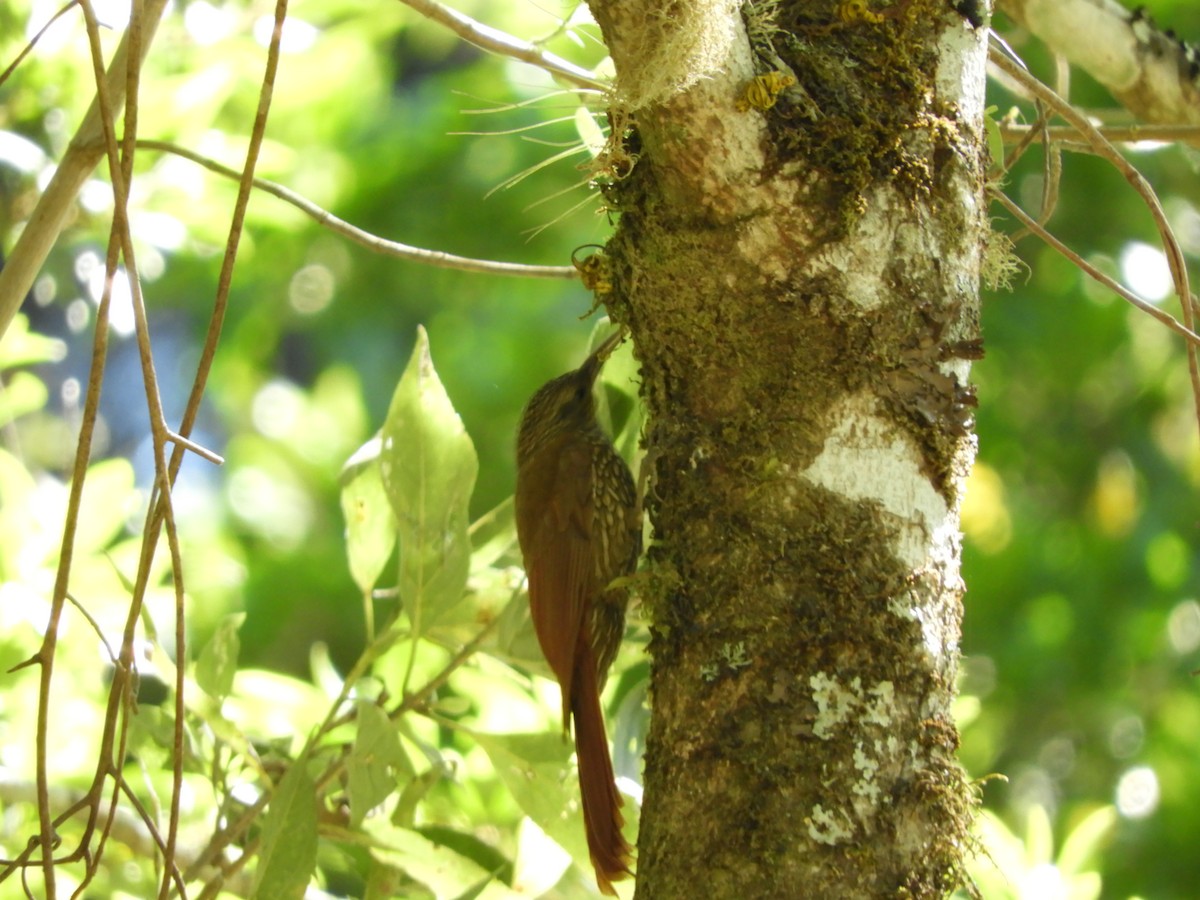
(866, 457)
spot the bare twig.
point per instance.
(1124, 293)
(203, 452)
(1068, 137)
(335, 718)
(112, 657)
(365, 238)
(171, 869)
(97, 122)
(82, 156)
(28, 48)
(495, 41)
(1103, 148)
(114, 741)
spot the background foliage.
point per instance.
(1082, 623)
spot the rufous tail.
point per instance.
(601, 802)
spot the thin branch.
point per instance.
(83, 154)
(365, 238)
(112, 657)
(409, 702)
(97, 122)
(234, 831)
(1175, 257)
(1066, 136)
(1124, 293)
(172, 870)
(502, 44)
(203, 452)
(28, 48)
(120, 164)
(177, 739)
(334, 719)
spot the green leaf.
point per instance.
(109, 495)
(267, 706)
(414, 792)
(375, 761)
(619, 407)
(217, 663)
(492, 535)
(537, 770)
(18, 533)
(429, 467)
(516, 641)
(486, 855)
(1081, 845)
(370, 522)
(447, 874)
(22, 394)
(540, 862)
(22, 347)
(289, 838)
(1039, 837)
(384, 882)
(491, 592)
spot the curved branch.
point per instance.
(1176, 260)
(365, 238)
(1083, 265)
(495, 41)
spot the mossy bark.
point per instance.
(801, 282)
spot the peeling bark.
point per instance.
(801, 282)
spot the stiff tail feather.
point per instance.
(602, 817)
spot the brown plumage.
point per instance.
(578, 525)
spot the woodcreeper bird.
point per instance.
(579, 529)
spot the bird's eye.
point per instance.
(581, 393)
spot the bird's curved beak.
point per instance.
(595, 361)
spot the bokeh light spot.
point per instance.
(78, 315)
(45, 289)
(1115, 498)
(1137, 793)
(1144, 270)
(276, 509)
(985, 518)
(1183, 627)
(277, 407)
(1049, 620)
(1126, 737)
(298, 35)
(21, 153)
(311, 289)
(208, 24)
(1167, 560)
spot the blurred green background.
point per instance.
(1082, 624)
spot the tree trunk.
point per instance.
(801, 281)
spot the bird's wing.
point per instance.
(560, 566)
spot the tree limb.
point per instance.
(1150, 71)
